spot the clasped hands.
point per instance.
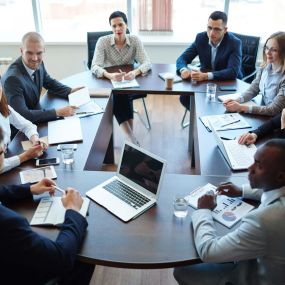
(195, 75)
(121, 75)
(208, 201)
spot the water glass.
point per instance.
(180, 206)
(67, 154)
(211, 91)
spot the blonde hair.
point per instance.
(279, 37)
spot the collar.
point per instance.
(29, 70)
(217, 45)
(270, 69)
(270, 196)
(113, 40)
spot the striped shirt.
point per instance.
(107, 54)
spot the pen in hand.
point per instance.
(59, 189)
(230, 123)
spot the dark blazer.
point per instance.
(273, 126)
(24, 95)
(228, 59)
(27, 257)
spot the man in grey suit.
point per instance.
(25, 78)
(254, 253)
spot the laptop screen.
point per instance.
(141, 168)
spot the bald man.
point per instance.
(25, 78)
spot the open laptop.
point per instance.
(238, 156)
(136, 185)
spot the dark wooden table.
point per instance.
(156, 239)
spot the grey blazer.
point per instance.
(257, 245)
(23, 94)
(278, 103)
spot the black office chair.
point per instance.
(92, 38)
(250, 46)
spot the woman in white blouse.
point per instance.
(9, 116)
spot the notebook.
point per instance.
(239, 157)
(125, 84)
(64, 131)
(85, 106)
(175, 80)
(136, 185)
(228, 210)
(50, 212)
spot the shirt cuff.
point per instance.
(246, 190)
(210, 75)
(183, 68)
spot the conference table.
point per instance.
(156, 239)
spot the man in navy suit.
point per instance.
(25, 78)
(29, 258)
(219, 52)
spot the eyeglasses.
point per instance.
(216, 30)
(268, 49)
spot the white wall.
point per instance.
(62, 60)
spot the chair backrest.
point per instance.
(250, 46)
(92, 38)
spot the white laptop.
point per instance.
(135, 187)
(238, 156)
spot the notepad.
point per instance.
(50, 212)
(125, 84)
(236, 96)
(28, 144)
(224, 122)
(228, 211)
(175, 80)
(64, 131)
(80, 97)
(37, 174)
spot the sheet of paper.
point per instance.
(233, 96)
(231, 121)
(79, 97)
(228, 210)
(64, 131)
(125, 84)
(37, 174)
(88, 109)
(27, 144)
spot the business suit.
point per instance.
(227, 64)
(256, 247)
(29, 258)
(23, 93)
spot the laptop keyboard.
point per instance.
(241, 154)
(126, 194)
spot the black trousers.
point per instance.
(123, 108)
(81, 274)
(185, 101)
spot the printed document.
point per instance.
(125, 84)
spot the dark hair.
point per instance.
(117, 14)
(218, 15)
(1, 135)
(279, 144)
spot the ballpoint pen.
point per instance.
(59, 189)
(82, 113)
(230, 123)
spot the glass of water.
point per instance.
(211, 91)
(180, 206)
(67, 154)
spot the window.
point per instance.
(70, 20)
(256, 17)
(16, 19)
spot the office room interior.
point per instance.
(64, 25)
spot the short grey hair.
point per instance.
(32, 36)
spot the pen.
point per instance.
(227, 139)
(59, 189)
(82, 113)
(230, 123)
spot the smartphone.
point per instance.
(228, 88)
(47, 161)
(71, 145)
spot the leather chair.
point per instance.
(250, 46)
(92, 38)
